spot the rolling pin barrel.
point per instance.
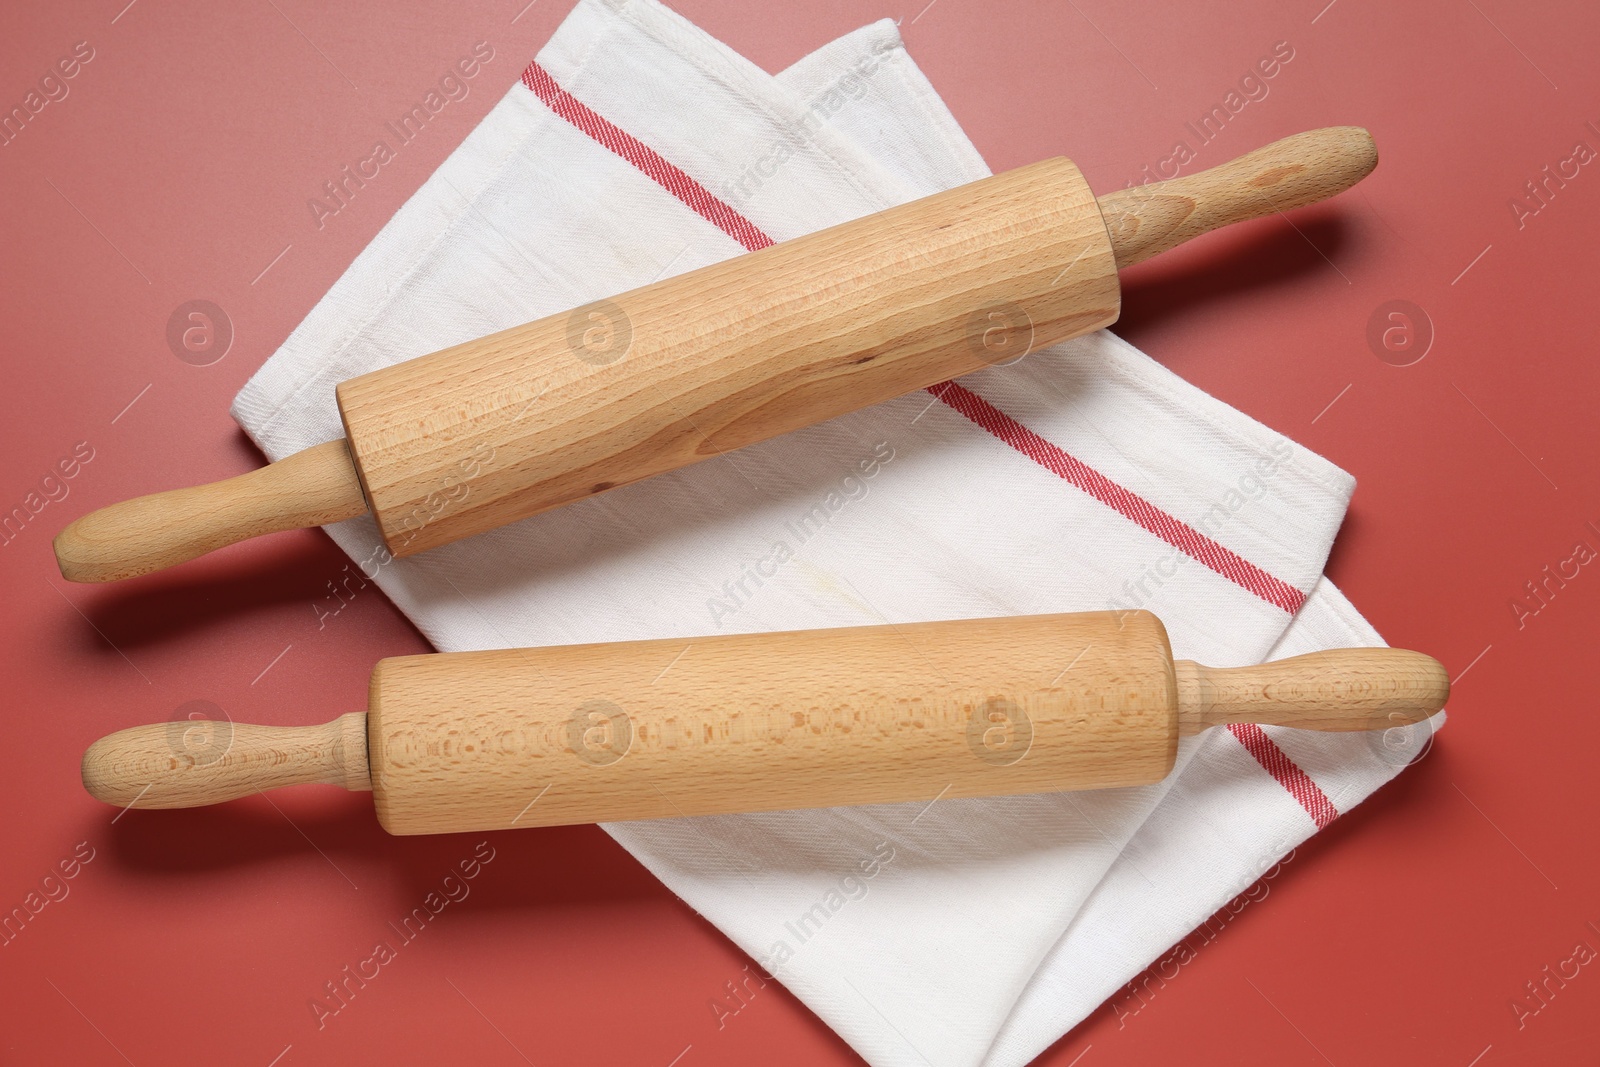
(818, 718)
(470, 438)
(473, 437)
(815, 718)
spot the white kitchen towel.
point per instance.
(1085, 477)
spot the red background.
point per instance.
(179, 167)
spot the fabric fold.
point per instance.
(1085, 477)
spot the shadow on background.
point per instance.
(535, 868)
(173, 606)
(1230, 267)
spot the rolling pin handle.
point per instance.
(1337, 690)
(1146, 220)
(148, 533)
(189, 763)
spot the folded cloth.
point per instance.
(1085, 477)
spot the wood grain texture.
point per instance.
(1146, 220)
(188, 763)
(1340, 689)
(492, 431)
(149, 533)
(816, 718)
(501, 428)
(813, 718)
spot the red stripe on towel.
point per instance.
(652, 163)
(985, 415)
(1286, 771)
(1130, 505)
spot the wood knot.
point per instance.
(1276, 174)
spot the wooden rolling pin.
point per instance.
(488, 432)
(813, 718)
